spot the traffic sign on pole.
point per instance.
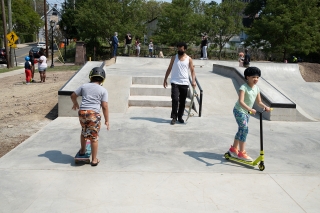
(12, 45)
(12, 37)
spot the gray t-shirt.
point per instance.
(92, 96)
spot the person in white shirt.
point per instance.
(42, 67)
(150, 49)
(180, 65)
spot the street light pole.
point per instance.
(65, 44)
(52, 23)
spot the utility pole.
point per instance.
(46, 25)
(10, 29)
(5, 31)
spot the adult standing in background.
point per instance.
(201, 52)
(115, 44)
(128, 40)
(247, 59)
(42, 66)
(204, 47)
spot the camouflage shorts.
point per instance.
(90, 122)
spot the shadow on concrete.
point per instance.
(214, 156)
(152, 119)
(199, 155)
(53, 114)
(56, 156)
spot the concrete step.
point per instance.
(152, 80)
(152, 101)
(149, 90)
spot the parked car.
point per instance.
(35, 51)
(3, 54)
(41, 45)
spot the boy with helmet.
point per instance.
(249, 93)
(27, 69)
(94, 96)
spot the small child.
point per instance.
(137, 44)
(151, 49)
(241, 59)
(27, 69)
(248, 94)
(94, 96)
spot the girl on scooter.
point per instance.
(249, 93)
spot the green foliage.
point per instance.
(180, 21)
(223, 22)
(25, 20)
(286, 26)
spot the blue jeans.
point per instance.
(242, 121)
(115, 47)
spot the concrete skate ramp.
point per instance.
(287, 79)
(288, 103)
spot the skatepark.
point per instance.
(148, 165)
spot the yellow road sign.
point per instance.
(12, 45)
(12, 37)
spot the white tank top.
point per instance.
(180, 71)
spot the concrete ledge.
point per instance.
(118, 98)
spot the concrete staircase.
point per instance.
(149, 92)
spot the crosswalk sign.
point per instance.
(12, 37)
(12, 45)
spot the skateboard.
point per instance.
(194, 94)
(86, 157)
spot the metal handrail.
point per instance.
(199, 99)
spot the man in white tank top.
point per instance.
(180, 65)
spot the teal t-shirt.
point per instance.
(250, 95)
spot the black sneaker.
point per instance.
(173, 121)
(181, 120)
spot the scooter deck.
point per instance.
(249, 163)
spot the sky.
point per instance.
(59, 2)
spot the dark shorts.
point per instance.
(90, 122)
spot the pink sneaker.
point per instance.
(233, 152)
(244, 156)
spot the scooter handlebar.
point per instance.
(264, 110)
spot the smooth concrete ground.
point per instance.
(147, 165)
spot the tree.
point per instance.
(223, 22)
(37, 6)
(279, 29)
(180, 21)
(152, 9)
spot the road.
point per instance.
(21, 53)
